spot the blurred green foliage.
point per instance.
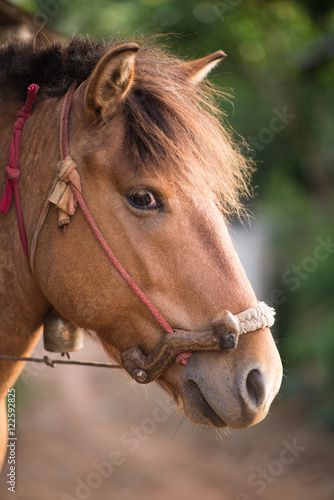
(280, 62)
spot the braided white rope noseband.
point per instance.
(260, 316)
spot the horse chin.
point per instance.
(187, 395)
(196, 407)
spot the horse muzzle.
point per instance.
(224, 335)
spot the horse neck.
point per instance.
(20, 296)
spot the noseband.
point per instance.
(66, 195)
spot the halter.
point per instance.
(66, 195)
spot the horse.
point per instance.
(160, 175)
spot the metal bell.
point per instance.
(60, 335)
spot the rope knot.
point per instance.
(62, 195)
(22, 114)
(19, 124)
(66, 167)
(48, 361)
(13, 174)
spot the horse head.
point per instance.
(159, 174)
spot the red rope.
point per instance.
(118, 266)
(181, 358)
(65, 152)
(12, 170)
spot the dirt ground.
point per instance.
(87, 433)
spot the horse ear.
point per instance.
(110, 81)
(196, 71)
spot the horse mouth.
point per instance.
(196, 407)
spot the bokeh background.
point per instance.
(280, 70)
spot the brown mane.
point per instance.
(173, 128)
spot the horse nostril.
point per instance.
(255, 387)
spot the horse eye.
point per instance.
(144, 199)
